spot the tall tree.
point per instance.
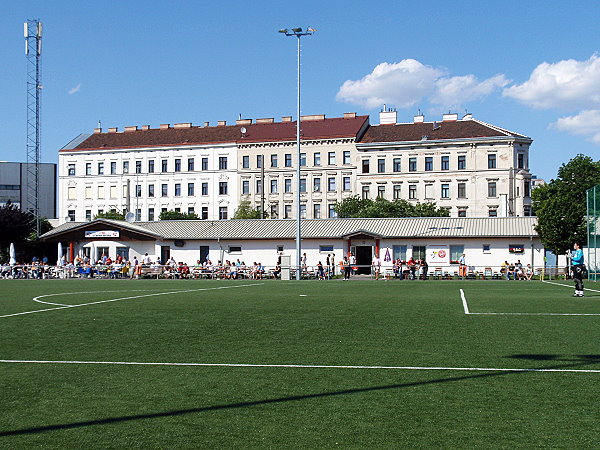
(357, 207)
(110, 215)
(17, 226)
(176, 215)
(246, 211)
(560, 205)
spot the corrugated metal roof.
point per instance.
(410, 227)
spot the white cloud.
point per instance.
(408, 82)
(586, 123)
(401, 84)
(567, 84)
(452, 92)
(75, 89)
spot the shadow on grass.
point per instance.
(570, 362)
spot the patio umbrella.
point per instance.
(60, 254)
(12, 254)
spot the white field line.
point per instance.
(128, 298)
(37, 299)
(569, 286)
(467, 312)
(297, 366)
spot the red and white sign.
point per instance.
(102, 234)
(438, 254)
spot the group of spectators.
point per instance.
(516, 271)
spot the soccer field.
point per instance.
(239, 364)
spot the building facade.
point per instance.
(472, 168)
(13, 186)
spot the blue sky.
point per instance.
(530, 67)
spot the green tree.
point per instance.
(561, 207)
(246, 211)
(176, 215)
(114, 215)
(16, 226)
(356, 207)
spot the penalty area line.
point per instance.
(569, 286)
(299, 366)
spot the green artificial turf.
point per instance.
(356, 323)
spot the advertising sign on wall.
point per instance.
(102, 234)
(438, 254)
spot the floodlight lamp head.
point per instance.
(297, 30)
(283, 30)
(311, 29)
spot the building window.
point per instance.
(71, 170)
(204, 190)
(317, 184)
(287, 211)
(381, 165)
(365, 166)
(487, 248)
(259, 161)
(222, 162)
(303, 211)
(113, 167)
(259, 186)
(150, 190)
(365, 192)
(397, 191)
(88, 192)
(190, 165)
(164, 191)
(492, 189)
(245, 162)
(527, 210)
(493, 213)
(331, 184)
(138, 166)
(412, 164)
(445, 163)
(71, 215)
(150, 214)
(381, 191)
(151, 166)
(273, 160)
(71, 193)
(520, 160)
(346, 155)
(222, 212)
(428, 191)
(222, 187)
(288, 160)
(491, 161)
(462, 190)
(204, 163)
(177, 189)
(88, 214)
(302, 184)
(100, 168)
(190, 189)
(317, 210)
(397, 167)
(331, 158)
(429, 163)
(526, 188)
(274, 186)
(462, 213)
(125, 166)
(456, 251)
(113, 192)
(245, 187)
(302, 159)
(399, 252)
(88, 168)
(412, 191)
(274, 211)
(287, 185)
(445, 190)
(462, 162)
(331, 211)
(164, 165)
(191, 210)
(204, 213)
(346, 182)
(418, 252)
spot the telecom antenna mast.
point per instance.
(33, 51)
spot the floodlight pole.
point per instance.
(298, 33)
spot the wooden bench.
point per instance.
(151, 272)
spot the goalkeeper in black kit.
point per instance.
(578, 268)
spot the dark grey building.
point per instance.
(13, 181)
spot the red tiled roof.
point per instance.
(263, 132)
(442, 130)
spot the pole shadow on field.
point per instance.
(570, 362)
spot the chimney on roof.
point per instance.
(388, 116)
(313, 117)
(145, 127)
(97, 130)
(207, 124)
(265, 120)
(286, 119)
(183, 125)
(164, 126)
(450, 117)
(468, 116)
(113, 130)
(419, 118)
(127, 129)
(221, 123)
(243, 122)
(350, 115)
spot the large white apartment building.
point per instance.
(470, 167)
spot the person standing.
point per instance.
(352, 261)
(578, 268)
(462, 266)
(376, 266)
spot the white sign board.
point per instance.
(438, 254)
(102, 234)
